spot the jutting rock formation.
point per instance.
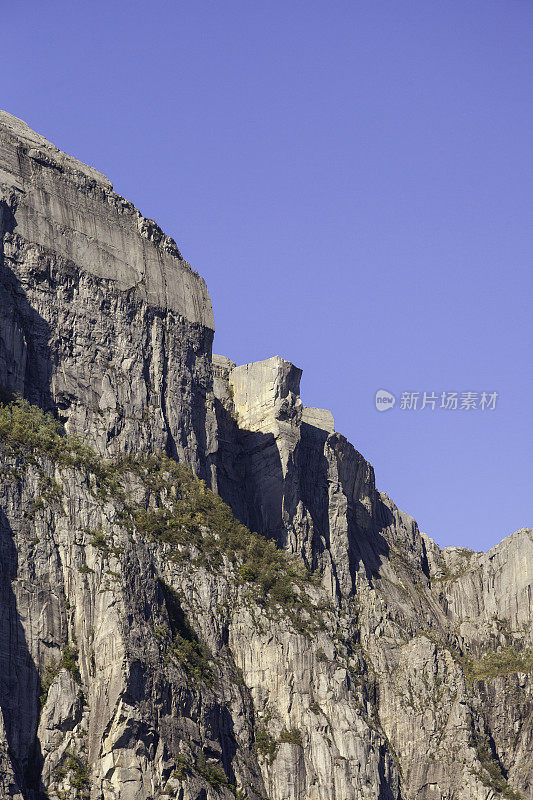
(202, 593)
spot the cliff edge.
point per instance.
(203, 594)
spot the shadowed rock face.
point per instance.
(133, 668)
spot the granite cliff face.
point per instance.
(102, 319)
(151, 644)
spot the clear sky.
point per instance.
(354, 181)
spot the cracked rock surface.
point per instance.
(311, 644)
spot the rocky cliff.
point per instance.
(203, 594)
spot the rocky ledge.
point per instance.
(203, 593)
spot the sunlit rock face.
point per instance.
(149, 648)
(101, 318)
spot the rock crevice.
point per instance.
(303, 642)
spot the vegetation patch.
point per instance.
(178, 510)
(68, 661)
(49, 676)
(505, 661)
(461, 568)
(182, 769)
(50, 492)
(76, 768)
(213, 773)
(291, 737)
(194, 657)
(190, 652)
(99, 540)
(493, 664)
(79, 773)
(491, 775)
(265, 744)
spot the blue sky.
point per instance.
(354, 181)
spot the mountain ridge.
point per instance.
(204, 595)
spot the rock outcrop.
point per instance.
(309, 644)
(101, 317)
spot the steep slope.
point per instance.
(151, 645)
(446, 635)
(101, 318)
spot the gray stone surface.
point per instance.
(63, 206)
(414, 686)
(100, 318)
(319, 418)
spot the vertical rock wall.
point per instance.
(132, 669)
(101, 319)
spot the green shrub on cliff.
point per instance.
(265, 744)
(68, 661)
(505, 661)
(179, 509)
